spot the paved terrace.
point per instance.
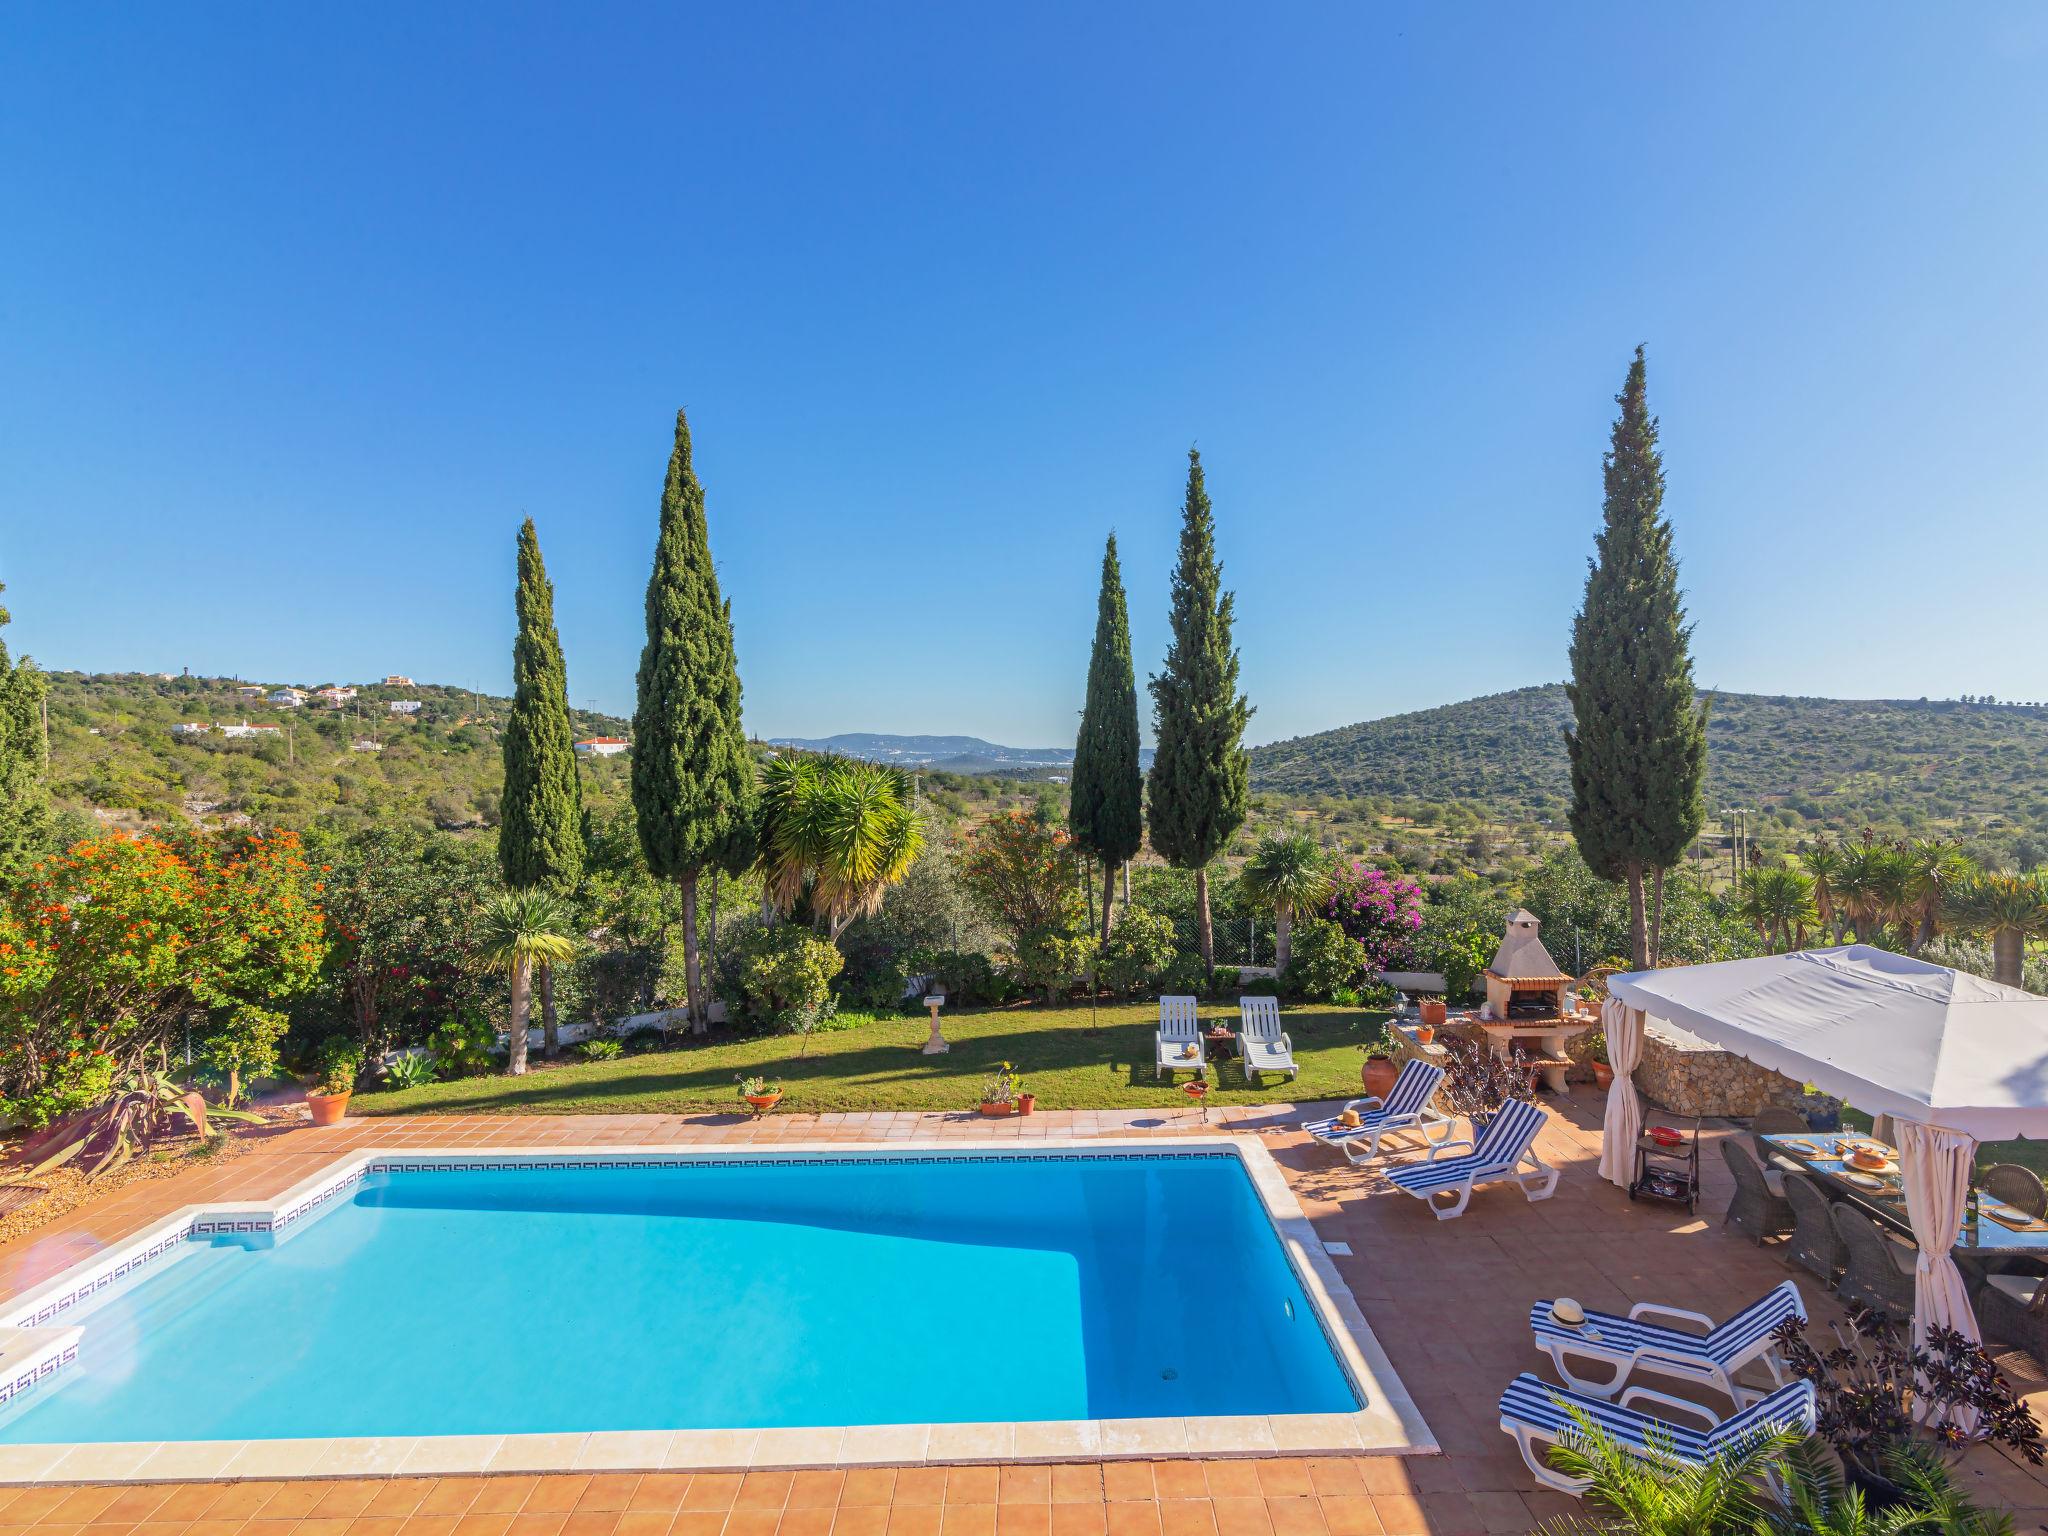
(1449, 1301)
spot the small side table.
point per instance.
(1219, 1044)
(1668, 1173)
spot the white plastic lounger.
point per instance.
(1407, 1108)
(1713, 1358)
(1539, 1415)
(1178, 1030)
(1510, 1141)
(1262, 1044)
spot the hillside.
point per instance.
(1834, 762)
(113, 753)
(949, 754)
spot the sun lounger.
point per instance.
(1539, 1415)
(1262, 1045)
(1407, 1108)
(1509, 1142)
(1178, 1029)
(1714, 1357)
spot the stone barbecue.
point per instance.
(1527, 1004)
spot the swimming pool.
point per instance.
(551, 1295)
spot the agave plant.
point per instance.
(144, 1108)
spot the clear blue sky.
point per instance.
(301, 311)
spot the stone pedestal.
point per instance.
(936, 1044)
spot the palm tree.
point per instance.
(1823, 863)
(836, 832)
(1780, 902)
(1289, 874)
(1934, 868)
(1875, 886)
(2007, 909)
(523, 929)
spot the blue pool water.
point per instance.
(871, 1291)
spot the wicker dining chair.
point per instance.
(1775, 1121)
(1815, 1242)
(2020, 1188)
(2014, 1310)
(1877, 1271)
(1755, 1208)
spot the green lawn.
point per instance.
(1063, 1058)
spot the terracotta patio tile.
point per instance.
(1187, 1517)
(485, 1495)
(1350, 1515)
(1131, 1519)
(1077, 1483)
(342, 1501)
(471, 1524)
(1232, 1479)
(388, 1525)
(1296, 1515)
(1024, 1485)
(444, 1525)
(1078, 1520)
(712, 1490)
(868, 1485)
(401, 1496)
(1123, 1480)
(698, 1522)
(1279, 1479)
(861, 1520)
(752, 1522)
(810, 1520)
(1336, 1474)
(920, 1485)
(1386, 1474)
(535, 1524)
(641, 1522)
(591, 1522)
(1179, 1480)
(1401, 1515)
(814, 1490)
(972, 1485)
(312, 1525)
(1023, 1520)
(135, 1504)
(659, 1493)
(906, 1520)
(1242, 1517)
(968, 1520)
(555, 1495)
(764, 1490)
(609, 1491)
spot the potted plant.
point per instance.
(1595, 1046)
(1434, 1011)
(340, 1061)
(1478, 1080)
(999, 1093)
(1879, 1396)
(1378, 1074)
(1026, 1102)
(761, 1094)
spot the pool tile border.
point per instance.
(1388, 1424)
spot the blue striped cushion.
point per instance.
(1511, 1131)
(1506, 1139)
(1535, 1402)
(1745, 1334)
(1791, 1405)
(1414, 1088)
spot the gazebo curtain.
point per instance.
(1935, 1165)
(1624, 1029)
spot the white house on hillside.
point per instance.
(250, 690)
(287, 698)
(190, 728)
(397, 681)
(365, 744)
(405, 706)
(602, 746)
(246, 729)
(335, 696)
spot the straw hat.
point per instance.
(1568, 1312)
(1349, 1119)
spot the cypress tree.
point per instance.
(1200, 785)
(1105, 810)
(693, 779)
(24, 800)
(1638, 746)
(540, 831)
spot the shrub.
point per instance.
(67, 1088)
(600, 1048)
(1140, 946)
(1382, 913)
(779, 973)
(1051, 962)
(876, 973)
(1325, 962)
(1182, 976)
(463, 1045)
(340, 1063)
(411, 1070)
(1024, 873)
(968, 979)
(242, 1045)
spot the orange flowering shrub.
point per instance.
(111, 949)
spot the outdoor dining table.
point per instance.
(1997, 1229)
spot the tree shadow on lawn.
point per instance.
(864, 1076)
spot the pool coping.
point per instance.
(37, 1340)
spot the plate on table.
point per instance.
(1862, 1180)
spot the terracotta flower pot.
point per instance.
(1603, 1076)
(1377, 1075)
(328, 1108)
(1026, 1103)
(1425, 1034)
(1434, 1011)
(995, 1111)
(761, 1103)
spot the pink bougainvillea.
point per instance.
(1381, 911)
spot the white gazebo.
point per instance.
(1952, 1058)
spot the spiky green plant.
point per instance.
(836, 833)
(1289, 874)
(1779, 900)
(1934, 868)
(1823, 863)
(522, 929)
(2008, 910)
(1663, 1495)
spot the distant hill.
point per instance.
(1837, 762)
(949, 754)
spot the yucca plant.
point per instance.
(2007, 909)
(1289, 874)
(522, 929)
(1779, 900)
(836, 833)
